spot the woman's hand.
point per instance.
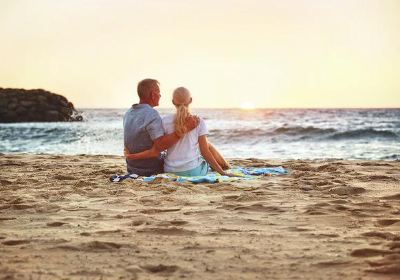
(225, 166)
(229, 174)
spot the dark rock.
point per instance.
(52, 115)
(12, 105)
(27, 103)
(66, 111)
(35, 105)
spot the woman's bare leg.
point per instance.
(218, 157)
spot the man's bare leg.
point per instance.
(218, 157)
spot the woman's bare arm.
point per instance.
(208, 156)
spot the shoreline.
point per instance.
(270, 160)
(60, 217)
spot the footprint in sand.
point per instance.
(15, 242)
(387, 222)
(55, 224)
(333, 263)
(230, 197)
(320, 205)
(102, 245)
(105, 232)
(133, 270)
(202, 213)
(149, 201)
(315, 212)
(161, 269)
(88, 274)
(324, 235)
(248, 197)
(327, 168)
(392, 268)
(383, 235)
(394, 245)
(322, 208)
(373, 164)
(339, 201)
(346, 190)
(173, 223)
(64, 177)
(389, 263)
(298, 229)
(379, 178)
(4, 182)
(341, 208)
(22, 206)
(302, 167)
(259, 207)
(228, 206)
(337, 181)
(391, 197)
(92, 246)
(167, 231)
(306, 188)
(103, 172)
(369, 252)
(139, 221)
(7, 218)
(322, 183)
(161, 210)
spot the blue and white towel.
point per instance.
(241, 173)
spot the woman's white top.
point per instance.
(185, 154)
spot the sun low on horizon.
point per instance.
(247, 106)
(229, 54)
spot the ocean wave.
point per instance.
(296, 133)
(39, 135)
(391, 157)
(238, 132)
(303, 131)
(364, 134)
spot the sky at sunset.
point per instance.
(260, 53)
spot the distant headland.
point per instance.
(35, 105)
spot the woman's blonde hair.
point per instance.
(181, 99)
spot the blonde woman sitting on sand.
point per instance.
(192, 154)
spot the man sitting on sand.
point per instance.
(192, 155)
(143, 127)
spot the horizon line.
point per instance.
(260, 108)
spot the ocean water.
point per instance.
(261, 133)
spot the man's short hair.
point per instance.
(145, 86)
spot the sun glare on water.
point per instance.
(247, 106)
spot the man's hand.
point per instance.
(153, 152)
(126, 152)
(192, 122)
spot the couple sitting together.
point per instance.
(182, 135)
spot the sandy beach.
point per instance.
(61, 218)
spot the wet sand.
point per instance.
(61, 218)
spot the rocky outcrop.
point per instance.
(35, 105)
